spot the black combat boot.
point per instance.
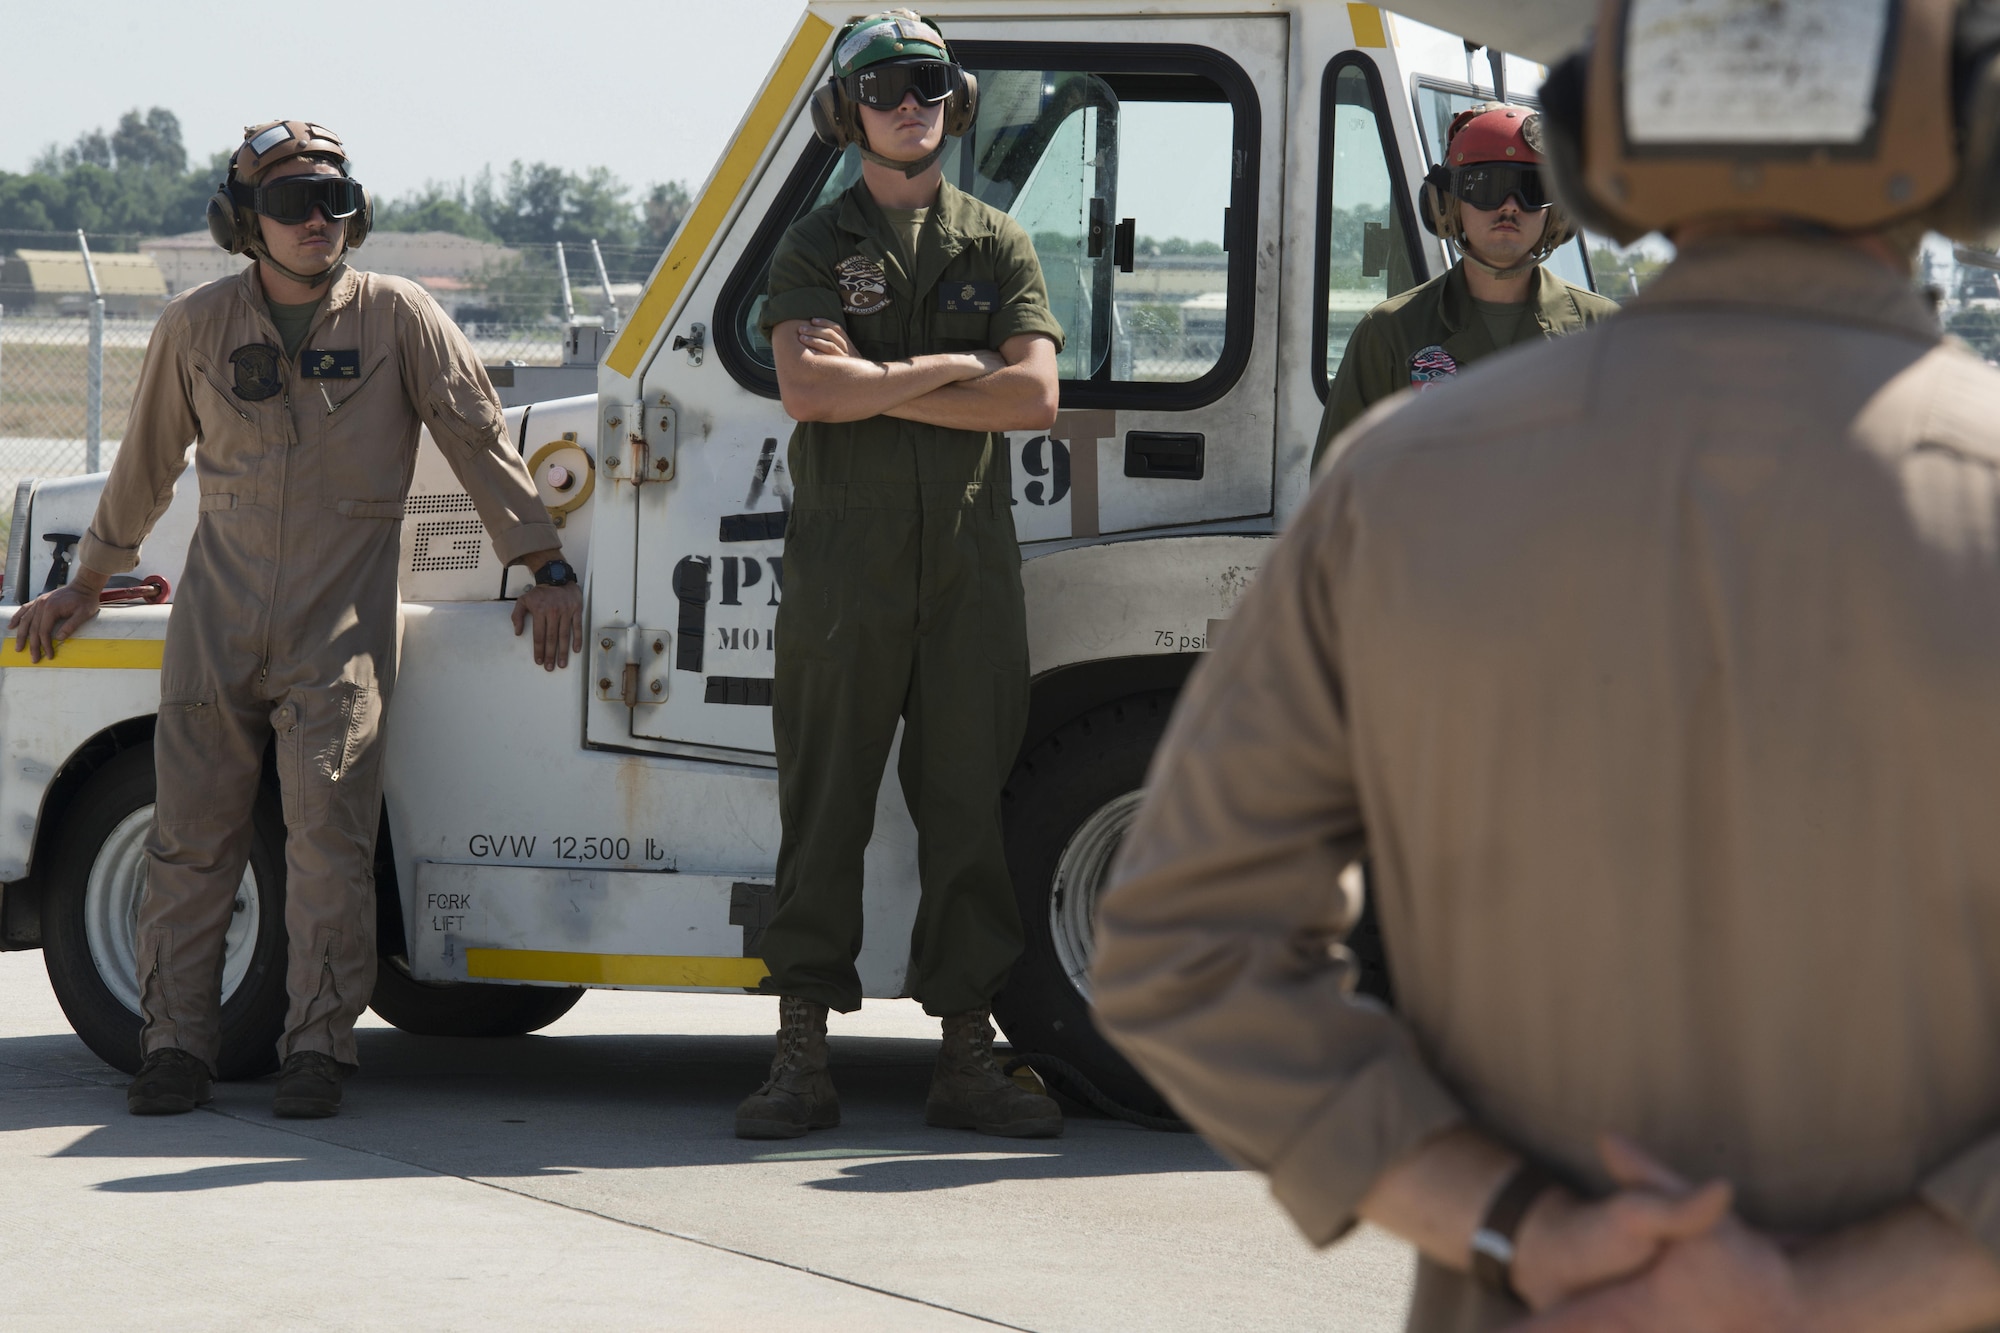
(170, 1082)
(969, 1090)
(798, 1095)
(308, 1086)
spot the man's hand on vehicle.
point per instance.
(558, 616)
(56, 616)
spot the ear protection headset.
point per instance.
(1933, 159)
(231, 222)
(836, 118)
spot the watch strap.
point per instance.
(1493, 1241)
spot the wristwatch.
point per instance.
(557, 573)
(1493, 1242)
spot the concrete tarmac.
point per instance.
(586, 1178)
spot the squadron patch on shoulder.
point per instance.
(864, 287)
(1430, 364)
(256, 367)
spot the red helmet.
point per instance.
(1494, 134)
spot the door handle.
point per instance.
(1175, 455)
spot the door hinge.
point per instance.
(629, 665)
(660, 429)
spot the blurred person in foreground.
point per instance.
(1490, 199)
(1667, 703)
(302, 384)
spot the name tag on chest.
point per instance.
(968, 298)
(318, 365)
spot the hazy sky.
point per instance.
(419, 89)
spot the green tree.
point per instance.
(133, 178)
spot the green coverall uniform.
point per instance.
(902, 600)
(1431, 332)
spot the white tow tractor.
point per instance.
(1217, 189)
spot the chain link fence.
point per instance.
(76, 312)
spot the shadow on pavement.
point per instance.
(524, 1108)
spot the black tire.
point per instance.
(465, 1008)
(252, 1019)
(1085, 766)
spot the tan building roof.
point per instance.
(61, 273)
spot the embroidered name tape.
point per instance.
(968, 298)
(320, 365)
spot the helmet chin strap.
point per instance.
(910, 170)
(1528, 265)
(262, 253)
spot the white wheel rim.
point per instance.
(111, 913)
(1081, 875)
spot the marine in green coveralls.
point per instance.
(910, 325)
(1487, 198)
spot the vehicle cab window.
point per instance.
(1368, 249)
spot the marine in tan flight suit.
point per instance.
(303, 385)
(1668, 706)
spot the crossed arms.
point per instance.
(821, 377)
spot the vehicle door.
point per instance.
(1143, 156)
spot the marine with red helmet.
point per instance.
(1488, 199)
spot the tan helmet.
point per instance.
(232, 219)
(1850, 115)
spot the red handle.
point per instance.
(152, 590)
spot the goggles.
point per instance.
(1487, 185)
(292, 199)
(883, 87)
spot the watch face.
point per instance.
(555, 573)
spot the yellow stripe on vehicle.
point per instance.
(1369, 30)
(92, 654)
(705, 219)
(612, 969)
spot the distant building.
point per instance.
(450, 267)
(55, 282)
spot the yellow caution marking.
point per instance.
(1369, 30)
(92, 654)
(671, 278)
(613, 969)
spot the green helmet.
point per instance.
(895, 34)
(877, 60)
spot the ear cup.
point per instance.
(1431, 202)
(228, 226)
(962, 106)
(357, 227)
(828, 123)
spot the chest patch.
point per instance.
(1430, 364)
(968, 298)
(864, 287)
(256, 366)
(315, 364)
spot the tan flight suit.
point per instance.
(1668, 706)
(286, 615)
